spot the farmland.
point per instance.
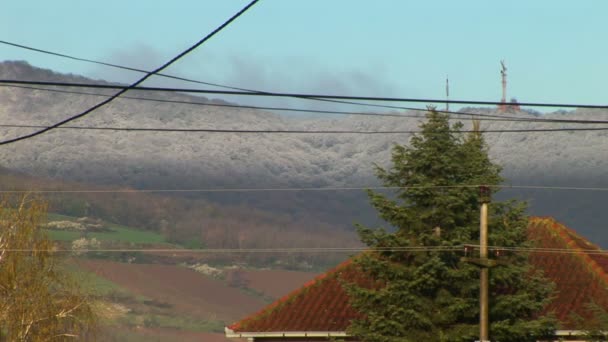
(173, 294)
(169, 300)
(178, 288)
(159, 301)
(112, 232)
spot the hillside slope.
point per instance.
(199, 160)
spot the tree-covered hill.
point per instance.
(205, 160)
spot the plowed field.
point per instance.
(186, 291)
(276, 283)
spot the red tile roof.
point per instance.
(580, 277)
(322, 304)
(319, 305)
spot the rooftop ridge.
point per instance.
(321, 304)
(570, 237)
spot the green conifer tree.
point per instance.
(432, 295)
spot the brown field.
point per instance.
(169, 335)
(183, 336)
(193, 295)
(276, 283)
(186, 291)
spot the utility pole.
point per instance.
(484, 194)
(484, 264)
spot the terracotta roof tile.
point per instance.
(580, 277)
(322, 304)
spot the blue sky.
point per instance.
(555, 50)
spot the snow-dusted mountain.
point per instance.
(187, 160)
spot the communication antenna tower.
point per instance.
(447, 93)
(503, 73)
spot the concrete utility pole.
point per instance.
(484, 264)
(484, 194)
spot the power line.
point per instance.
(182, 78)
(286, 109)
(222, 85)
(499, 118)
(310, 189)
(292, 131)
(547, 250)
(136, 83)
(474, 116)
(467, 248)
(117, 65)
(298, 95)
(175, 77)
(170, 76)
(253, 250)
(291, 109)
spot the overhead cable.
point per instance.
(464, 115)
(474, 116)
(303, 189)
(58, 54)
(467, 248)
(295, 131)
(22, 46)
(299, 95)
(113, 65)
(123, 90)
(253, 250)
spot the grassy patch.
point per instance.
(257, 294)
(121, 308)
(172, 322)
(93, 284)
(59, 217)
(117, 233)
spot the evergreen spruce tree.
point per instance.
(432, 295)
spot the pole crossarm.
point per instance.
(483, 262)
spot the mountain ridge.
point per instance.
(209, 160)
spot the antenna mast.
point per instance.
(447, 93)
(503, 73)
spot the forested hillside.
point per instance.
(189, 222)
(209, 160)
